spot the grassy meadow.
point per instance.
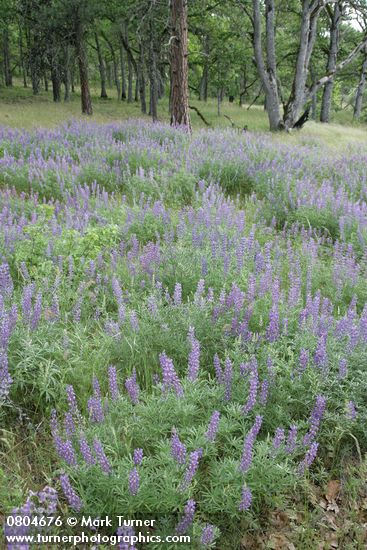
(183, 324)
(21, 109)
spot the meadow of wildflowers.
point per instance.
(183, 323)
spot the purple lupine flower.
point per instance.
(86, 451)
(320, 356)
(264, 391)
(188, 517)
(73, 499)
(95, 409)
(178, 449)
(210, 295)
(291, 439)
(207, 535)
(218, 370)
(352, 412)
(278, 438)
(271, 370)
(213, 426)
(257, 426)
(101, 457)
(194, 356)
(69, 425)
(5, 378)
(273, 328)
(77, 309)
(117, 290)
(134, 481)
(55, 307)
(126, 539)
(228, 374)
(254, 384)
(132, 387)
(68, 453)
(96, 387)
(5, 331)
(198, 299)
(170, 378)
(152, 306)
(70, 394)
(47, 498)
(309, 457)
(112, 382)
(112, 329)
(191, 469)
(121, 313)
(244, 368)
(303, 361)
(343, 370)
(27, 302)
(177, 294)
(246, 458)
(246, 499)
(134, 323)
(59, 444)
(6, 283)
(37, 311)
(315, 419)
(138, 456)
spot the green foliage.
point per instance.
(231, 176)
(320, 219)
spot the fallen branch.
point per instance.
(200, 115)
(231, 121)
(244, 129)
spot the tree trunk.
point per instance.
(72, 77)
(141, 80)
(152, 74)
(307, 37)
(45, 82)
(35, 82)
(102, 68)
(123, 74)
(203, 90)
(179, 65)
(130, 81)
(67, 78)
(267, 75)
(331, 64)
(314, 95)
(132, 64)
(137, 88)
(21, 59)
(243, 86)
(109, 73)
(361, 87)
(116, 76)
(114, 64)
(56, 81)
(129, 71)
(81, 55)
(161, 82)
(219, 100)
(33, 63)
(8, 77)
